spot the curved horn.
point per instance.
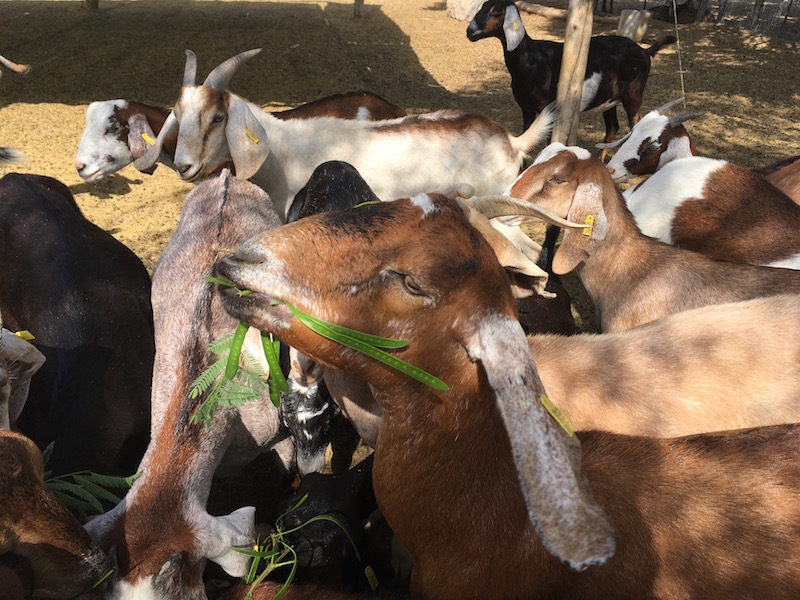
(501, 206)
(678, 119)
(145, 162)
(672, 103)
(615, 143)
(220, 77)
(190, 70)
(21, 69)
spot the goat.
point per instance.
(86, 299)
(658, 139)
(113, 135)
(161, 530)
(336, 185)
(12, 155)
(631, 278)
(397, 157)
(720, 209)
(694, 517)
(41, 542)
(616, 72)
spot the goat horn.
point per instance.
(615, 143)
(145, 162)
(190, 70)
(501, 206)
(672, 103)
(600, 107)
(21, 69)
(678, 119)
(220, 77)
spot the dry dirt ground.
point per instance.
(409, 51)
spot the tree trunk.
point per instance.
(573, 70)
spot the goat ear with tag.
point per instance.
(247, 139)
(578, 244)
(560, 505)
(513, 28)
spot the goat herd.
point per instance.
(653, 460)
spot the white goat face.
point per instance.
(643, 139)
(202, 144)
(103, 148)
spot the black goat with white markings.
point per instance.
(616, 71)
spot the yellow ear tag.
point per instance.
(251, 135)
(25, 335)
(516, 25)
(371, 578)
(587, 231)
(148, 139)
(560, 417)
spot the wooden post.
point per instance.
(357, 8)
(573, 70)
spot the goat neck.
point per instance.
(489, 428)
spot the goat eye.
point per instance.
(557, 180)
(412, 286)
(218, 119)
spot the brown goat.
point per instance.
(50, 553)
(486, 492)
(631, 278)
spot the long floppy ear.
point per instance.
(571, 525)
(22, 359)
(139, 132)
(145, 162)
(247, 139)
(513, 28)
(218, 535)
(578, 244)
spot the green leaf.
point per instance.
(48, 452)
(96, 490)
(77, 491)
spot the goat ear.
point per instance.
(513, 28)
(218, 535)
(150, 158)
(247, 139)
(22, 360)
(571, 525)
(577, 244)
(138, 128)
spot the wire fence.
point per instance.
(775, 18)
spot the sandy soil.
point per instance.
(409, 51)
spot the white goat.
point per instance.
(398, 157)
(712, 516)
(631, 278)
(115, 129)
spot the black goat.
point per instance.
(86, 299)
(616, 71)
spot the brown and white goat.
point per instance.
(631, 278)
(162, 530)
(659, 139)
(40, 540)
(113, 135)
(490, 496)
(398, 157)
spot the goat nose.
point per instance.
(79, 167)
(183, 168)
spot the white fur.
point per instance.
(99, 150)
(590, 87)
(556, 147)
(792, 262)
(651, 126)
(653, 203)
(396, 162)
(424, 202)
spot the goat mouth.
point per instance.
(262, 311)
(193, 175)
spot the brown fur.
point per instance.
(51, 549)
(740, 218)
(633, 279)
(711, 516)
(787, 178)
